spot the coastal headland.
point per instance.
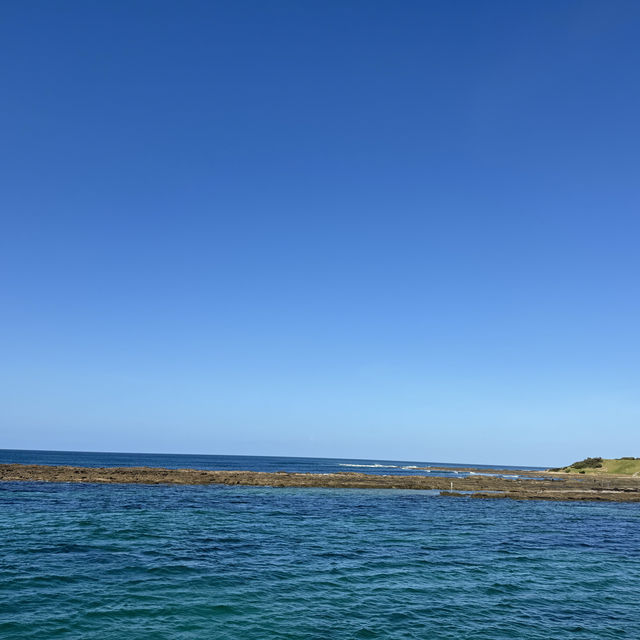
(485, 483)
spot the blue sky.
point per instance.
(354, 229)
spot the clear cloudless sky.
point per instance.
(401, 230)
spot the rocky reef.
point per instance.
(538, 486)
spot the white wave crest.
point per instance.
(372, 466)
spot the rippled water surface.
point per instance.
(128, 561)
(242, 463)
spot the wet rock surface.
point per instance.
(537, 485)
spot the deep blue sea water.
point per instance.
(134, 561)
(242, 463)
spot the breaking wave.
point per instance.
(372, 466)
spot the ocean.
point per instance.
(229, 562)
(241, 463)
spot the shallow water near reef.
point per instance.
(134, 561)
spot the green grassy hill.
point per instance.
(598, 466)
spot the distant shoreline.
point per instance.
(541, 485)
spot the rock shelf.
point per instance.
(539, 486)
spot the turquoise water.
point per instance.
(127, 561)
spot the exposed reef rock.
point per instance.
(540, 485)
